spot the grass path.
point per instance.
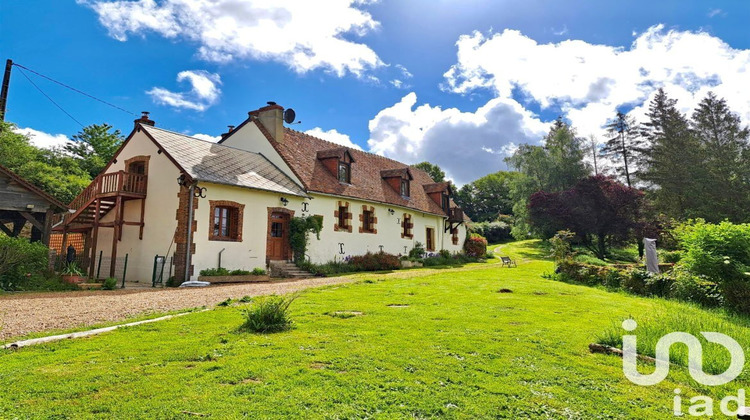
(428, 343)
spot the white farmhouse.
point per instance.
(245, 190)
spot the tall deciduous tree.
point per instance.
(554, 167)
(437, 174)
(726, 155)
(95, 145)
(50, 170)
(487, 197)
(600, 210)
(672, 159)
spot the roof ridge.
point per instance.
(204, 141)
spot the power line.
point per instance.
(47, 96)
(74, 89)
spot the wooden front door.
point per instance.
(277, 245)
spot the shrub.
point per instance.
(495, 232)
(475, 245)
(268, 314)
(110, 283)
(417, 252)
(210, 272)
(613, 278)
(591, 275)
(697, 289)
(173, 282)
(328, 269)
(560, 244)
(659, 285)
(589, 259)
(636, 282)
(721, 252)
(375, 262)
(737, 296)
(239, 273)
(19, 259)
(47, 281)
(257, 271)
(670, 257)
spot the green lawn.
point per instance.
(451, 346)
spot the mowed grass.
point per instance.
(411, 345)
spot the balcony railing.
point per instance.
(110, 185)
(456, 215)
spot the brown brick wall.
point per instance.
(181, 234)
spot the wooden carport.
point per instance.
(22, 203)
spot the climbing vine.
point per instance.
(299, 230)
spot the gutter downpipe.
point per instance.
(191, 193)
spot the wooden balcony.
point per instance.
(106, 188)
(456, 215)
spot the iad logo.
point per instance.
(695, 357)
(700, 405)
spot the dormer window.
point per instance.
(398, 179)
(404, 187)
(440, 193)
(338, 162)
(345, 172)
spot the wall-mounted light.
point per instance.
(391, 211)
(29, 207)
(181, 180)
(284, 201)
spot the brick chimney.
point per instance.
(272, 118)
(144, 120)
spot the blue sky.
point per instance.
(459, 83)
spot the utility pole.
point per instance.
(4, 89)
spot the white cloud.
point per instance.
(466, 145)
(399, 84)
(333, 136)
(560, 32)
(302, 34)
(404, 72)
(588, 82)
(206, 137)
(42, 139)
(203, 93)
(715, 12)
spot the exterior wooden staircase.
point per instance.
(101, 196)
(106, 193)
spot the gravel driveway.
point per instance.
(31, 312)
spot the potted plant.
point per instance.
(73, 274)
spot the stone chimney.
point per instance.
(272, 118)
(144, 120)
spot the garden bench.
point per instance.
(507, 262)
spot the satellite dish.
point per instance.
(289, 115)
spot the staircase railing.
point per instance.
(108, 184)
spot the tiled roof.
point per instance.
(300, 151)
(211, 162)
(437, 187)
(396, 173)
